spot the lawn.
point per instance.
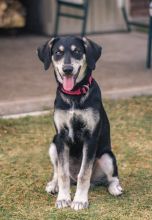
(25, 167)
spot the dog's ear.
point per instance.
(45, 53)
(93, 52)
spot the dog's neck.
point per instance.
(80, 89)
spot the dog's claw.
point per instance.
(79, 205)
(62, 204)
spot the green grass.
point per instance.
(25, 167)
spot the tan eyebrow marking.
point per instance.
(73, 47)
(61, 48)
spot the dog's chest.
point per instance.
(76, 122)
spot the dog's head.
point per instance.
(71, 57)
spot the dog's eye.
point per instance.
(76, 51)
(59, 53)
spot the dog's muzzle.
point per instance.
(69, 78)
(67, 69)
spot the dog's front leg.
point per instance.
(83, 181)
(64, 198)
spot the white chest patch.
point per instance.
(89, 117)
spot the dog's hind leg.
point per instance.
(108, 165)
(52, 186)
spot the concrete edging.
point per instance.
(35, 106)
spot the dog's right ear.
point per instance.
(45, 53)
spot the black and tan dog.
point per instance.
(81, 148)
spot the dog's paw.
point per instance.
(78, 205)
(52, 187)
(62, 203)
(115, 189)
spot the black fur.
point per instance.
(96, 138)
(92, 50)
(100, 142)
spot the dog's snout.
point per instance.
(67, 69)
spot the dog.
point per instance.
(81, 148)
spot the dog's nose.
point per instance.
(67, 69)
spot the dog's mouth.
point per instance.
(69, 80)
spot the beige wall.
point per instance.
(103, 15)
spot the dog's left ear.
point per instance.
(93, 52)
(45, 53)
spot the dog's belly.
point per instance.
(74, 166)
(97, 173)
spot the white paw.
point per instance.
(115, 189)
(52, 187)
(62, 203)
(78, 205)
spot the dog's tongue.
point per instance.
(68, 83)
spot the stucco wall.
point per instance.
(103, 15)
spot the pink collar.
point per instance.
(80, 91)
